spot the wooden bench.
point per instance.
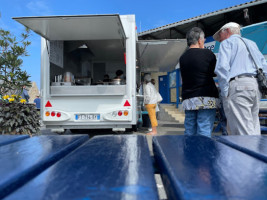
(24, 159)
(198, 167)
(105, 167)
(255, 146)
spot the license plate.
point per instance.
(87, 117)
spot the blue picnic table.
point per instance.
(199, 167)
(121, 167)
(76, 167)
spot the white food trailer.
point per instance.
(76, 53)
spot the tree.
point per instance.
(12, 77)
(16, 117)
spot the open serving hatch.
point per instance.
(82, 27)
(159, 55)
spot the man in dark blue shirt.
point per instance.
(37, 102)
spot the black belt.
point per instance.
(243, 76)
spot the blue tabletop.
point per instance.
(7, 139)
(22, 160)
(198, 167)
(251, 144)
(105, 167)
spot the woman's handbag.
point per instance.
(261, 78)
(159, 97)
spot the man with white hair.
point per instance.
(237, 80)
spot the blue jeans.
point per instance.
(223, 121)
(199, 122)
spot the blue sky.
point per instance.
(149, 14)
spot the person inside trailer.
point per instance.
(119, 74)
(119, 79)
(106, 78)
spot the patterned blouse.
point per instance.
(197, 103)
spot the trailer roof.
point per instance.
(244, 14)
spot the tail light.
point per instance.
(53, 114)
(120, 113)
(126, 113)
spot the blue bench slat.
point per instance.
(251, 144)
(22, 160)
(105, 167)
(7, 139)
(198, 167)
(263, 129)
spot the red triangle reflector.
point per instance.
(127, 103)
(48, 104)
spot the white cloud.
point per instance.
(38, 8)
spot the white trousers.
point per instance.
(241, 107)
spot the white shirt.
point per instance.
(150, 94)
(234, 59)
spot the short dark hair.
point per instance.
(119, 72)
(193, 35)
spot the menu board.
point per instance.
(56, 52)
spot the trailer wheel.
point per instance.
(134, 128)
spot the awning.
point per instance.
(258, 34)
(159, 55)
(82, 27)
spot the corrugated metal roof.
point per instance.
(221, 11)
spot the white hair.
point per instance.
(193, 35)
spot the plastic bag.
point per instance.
(159, 97)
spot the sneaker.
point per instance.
(150, 129)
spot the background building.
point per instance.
(252, 16)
